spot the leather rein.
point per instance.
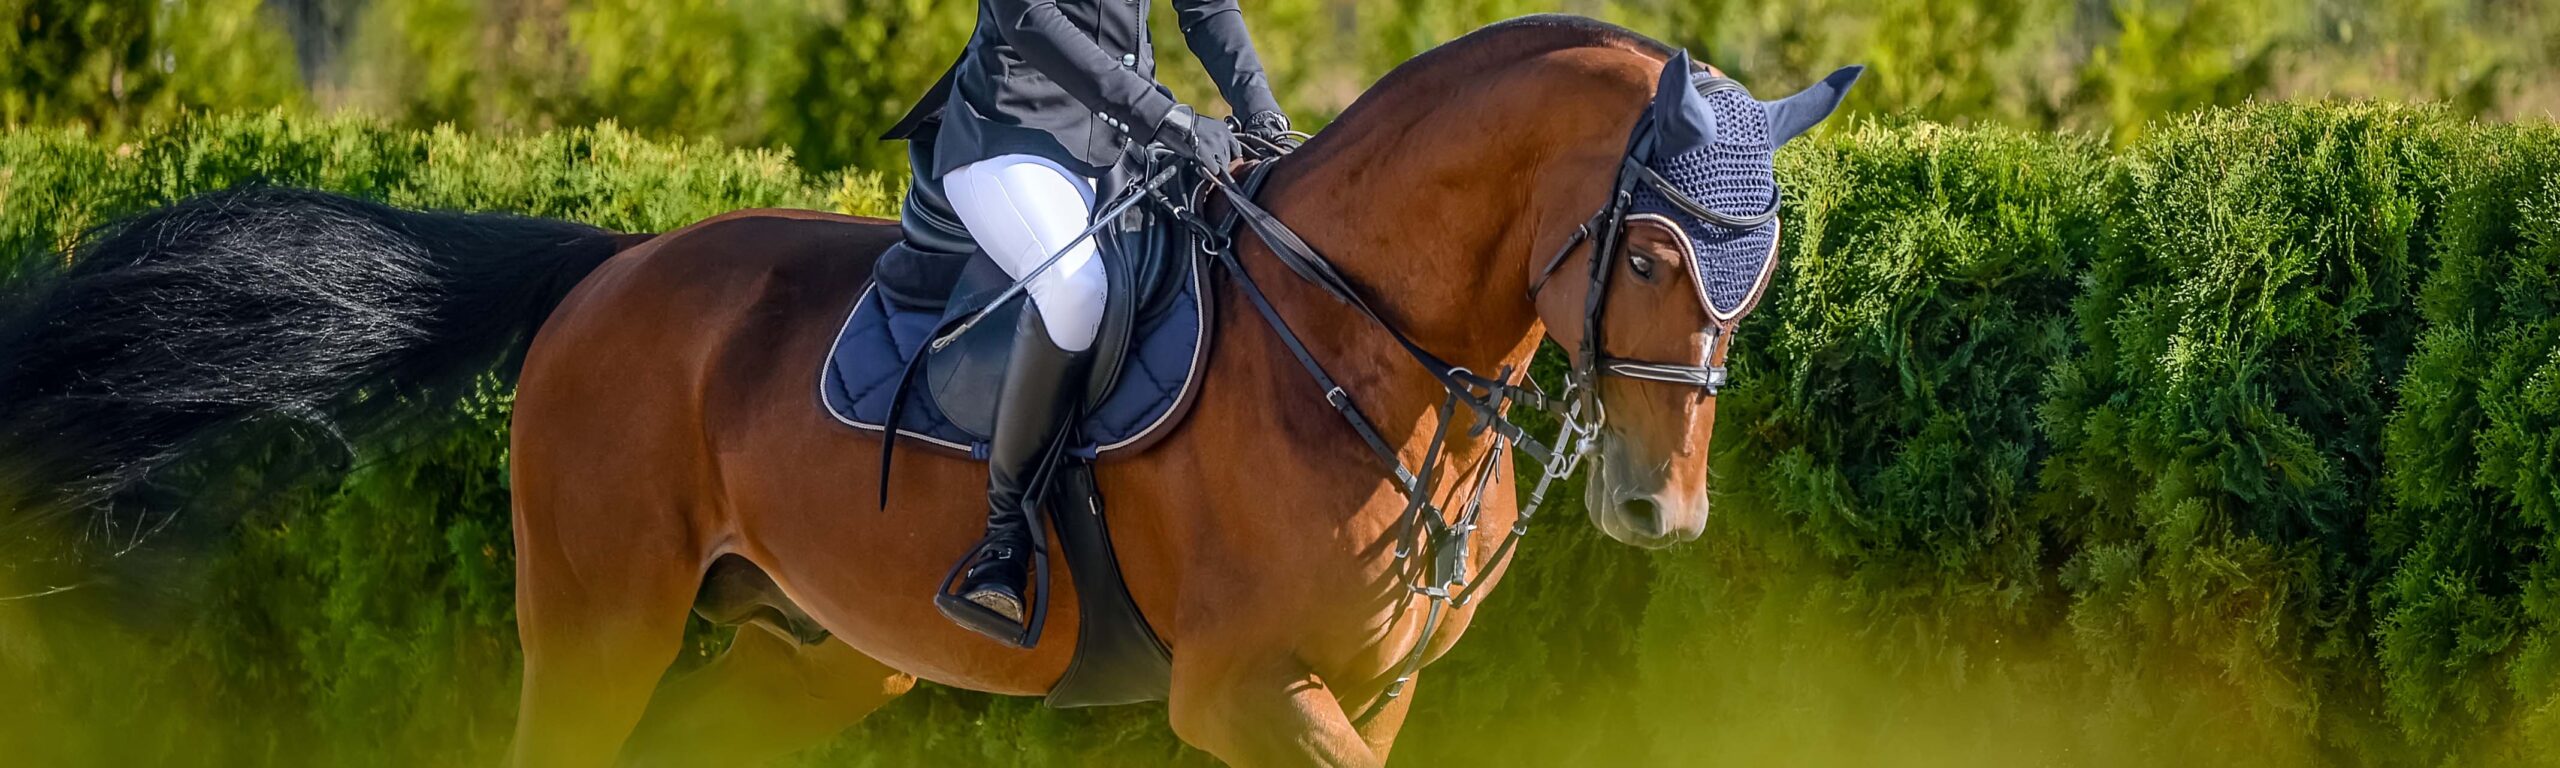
(1578, 412)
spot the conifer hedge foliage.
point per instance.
(2240, 443)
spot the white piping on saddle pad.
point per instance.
(1191, 378)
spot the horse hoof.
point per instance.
(1003, 604)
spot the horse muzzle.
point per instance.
(1631, 500)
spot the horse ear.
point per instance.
(1679, 114)
(1792, 116)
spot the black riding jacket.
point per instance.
(1074, 81)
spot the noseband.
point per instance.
(1427, 527)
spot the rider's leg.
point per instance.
(1022, 209)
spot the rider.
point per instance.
(1049, 95)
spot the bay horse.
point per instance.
(669, 453)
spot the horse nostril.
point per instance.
(1641, 513)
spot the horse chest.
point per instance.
(1386, 617)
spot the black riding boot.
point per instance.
(1043, 389)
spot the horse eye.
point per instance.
(1643, 266)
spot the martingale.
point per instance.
(1688, 181)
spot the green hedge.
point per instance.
(2469, 615)
(2218, 440)
(2235, 445)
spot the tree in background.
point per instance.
(2111, 66)
(824, 77)
(110, 65)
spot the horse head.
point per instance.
(1684, 249)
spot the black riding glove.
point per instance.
(1267, 125)
(1205, 140)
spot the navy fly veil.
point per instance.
(1732, 175)
(1713, 144)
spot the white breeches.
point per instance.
(1022, 208)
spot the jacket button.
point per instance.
(1128, 59)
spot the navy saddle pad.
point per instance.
(1165, 338)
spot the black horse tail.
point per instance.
(161, 333)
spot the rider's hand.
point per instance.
(1267, 125)
(1205, 140)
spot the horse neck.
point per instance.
(1437, 199)
(1437, 203)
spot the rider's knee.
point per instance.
(1072, 306)
(1085, 282)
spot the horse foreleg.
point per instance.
(1380, 732)
(1271, 713)
(766, 696)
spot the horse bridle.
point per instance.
(1606, 232)
(1577, 411)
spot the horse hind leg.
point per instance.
(780, 687)
(601, 612)
(765, 697)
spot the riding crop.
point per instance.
(1024, 283)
